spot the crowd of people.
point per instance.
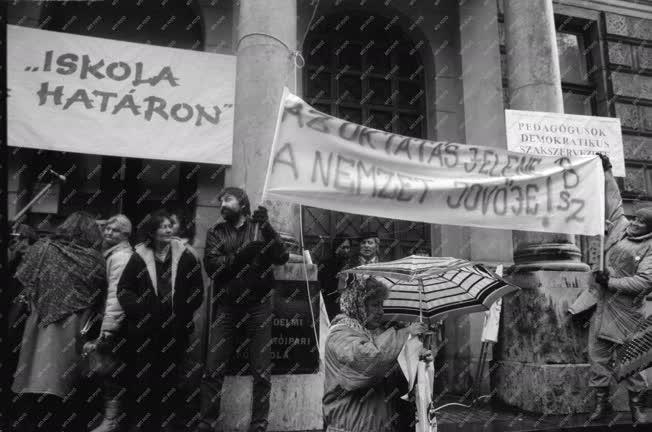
(95, 314)
(85, 297)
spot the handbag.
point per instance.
(95, 362)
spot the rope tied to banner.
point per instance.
(299, 63)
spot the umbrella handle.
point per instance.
(420, 300)
(256, 231)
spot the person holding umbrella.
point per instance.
(362, 374)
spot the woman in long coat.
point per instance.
(159, 291)
(362, 374)
(64, 280)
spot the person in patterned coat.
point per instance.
(362, 377)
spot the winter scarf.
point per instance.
(61, 278)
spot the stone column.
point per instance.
(542, 360)
(266, 39)
(535, 85)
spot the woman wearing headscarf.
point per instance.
(159, 291)
(64, 284)
(362, 379)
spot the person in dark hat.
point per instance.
(367, 254)
(369, 248)
(623, 286)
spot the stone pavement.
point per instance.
(488, 418)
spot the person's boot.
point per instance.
(602, 405)
(113, 417)
(637, 407)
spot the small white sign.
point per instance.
(554, 134)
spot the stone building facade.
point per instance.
(436, 70)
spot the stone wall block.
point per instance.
(629, 26)
(635, 181)
(637, 147)
(629, 115)
(646, 115)
(620, 54)
(644, 56)
(630, 85)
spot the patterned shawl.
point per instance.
(61, 278)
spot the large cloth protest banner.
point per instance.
(91, 95)
(556, 134)
(322, 161)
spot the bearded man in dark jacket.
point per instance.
(238, 258)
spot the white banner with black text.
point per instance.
(99, 96)
(322, 161)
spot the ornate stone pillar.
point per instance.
(542, 364)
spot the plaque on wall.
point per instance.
(294, 347)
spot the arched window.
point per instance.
(363, 68)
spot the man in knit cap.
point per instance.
(624, 284)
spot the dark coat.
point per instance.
(239, 279)
(138, 298)
(629, 261)
(328, 270)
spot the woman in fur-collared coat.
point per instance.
(159, 291)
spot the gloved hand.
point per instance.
(606, 163)
(602, 278)
(247, 253)
(260, 216)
